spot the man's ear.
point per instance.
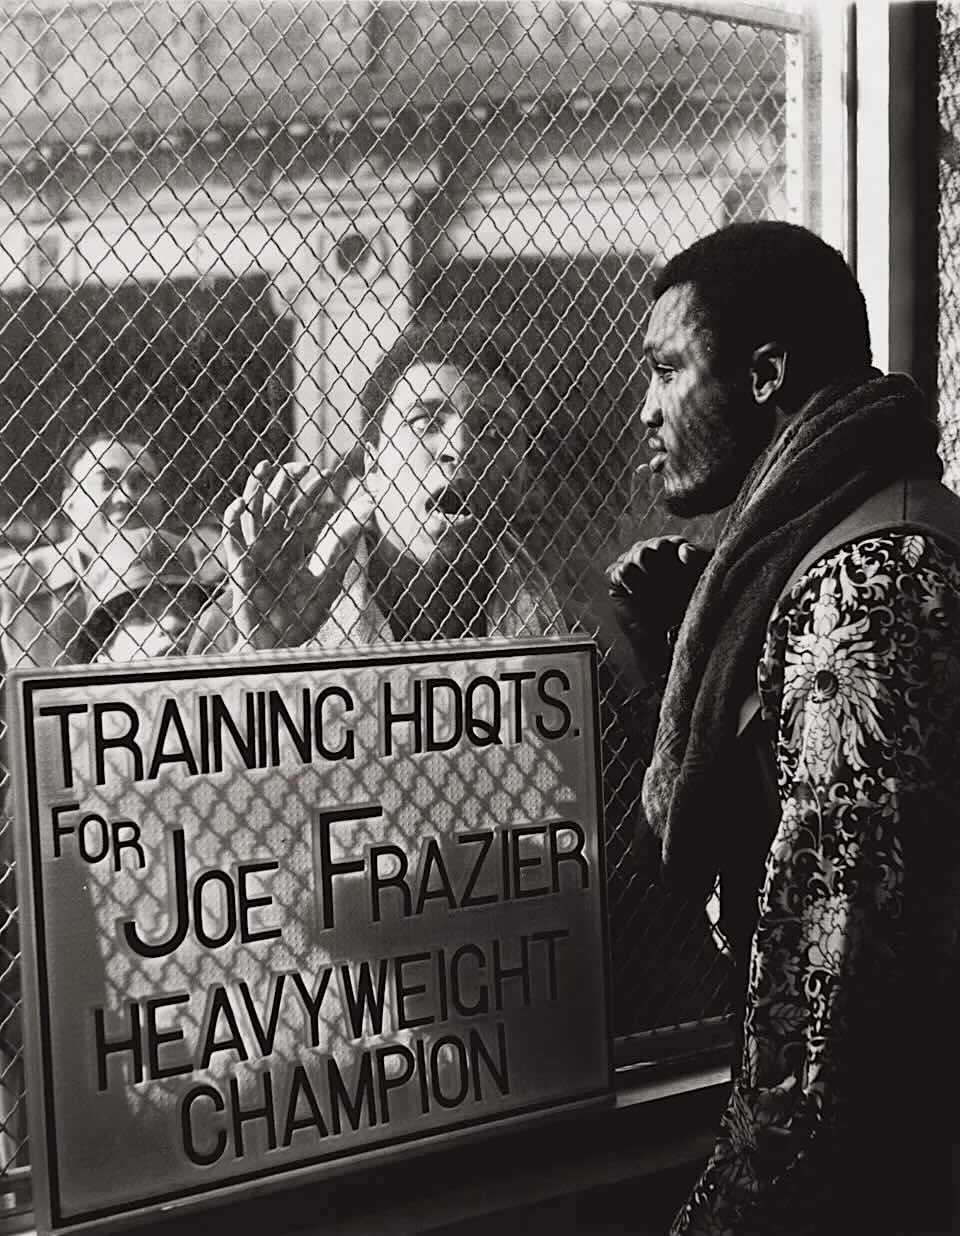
(768, 371)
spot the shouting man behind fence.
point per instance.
(418, 542)
(808, 742)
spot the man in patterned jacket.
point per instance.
(807, 750)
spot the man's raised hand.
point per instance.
(650, 585)
(282, 590)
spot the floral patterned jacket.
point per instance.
(839, 1117)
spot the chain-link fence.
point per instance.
(949, 235)
(216, 219)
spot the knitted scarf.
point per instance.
(844, 445)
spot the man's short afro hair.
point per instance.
(766, 282)
(469, 348)
(96, 430)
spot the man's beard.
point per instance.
(733, 449)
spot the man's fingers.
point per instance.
(283, 499)
(237, 562)
(644, 551)
(298, 500)
(648, 563)
(311, 501)
(659, 549)
(615, 572)
(251, 499)
(275, 522)
(264, 497)
(340, 532)
(276, 486)
(231, 522)
(696, 555)
(630, 557)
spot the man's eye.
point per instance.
(422, 422)
(505, 429)
(663, 372)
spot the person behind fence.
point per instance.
(417, 543)
(807, 749)
(110, 492)
(111, 485)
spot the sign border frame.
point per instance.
(24, 683)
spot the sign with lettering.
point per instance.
(282, 912)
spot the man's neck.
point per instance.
(79, 550)
(427, 601)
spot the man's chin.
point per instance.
(104, 533)
(706, 498)
(127, 517)
(687, 503)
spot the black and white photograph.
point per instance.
(480, 617)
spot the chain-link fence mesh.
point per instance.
(949, 236)
(217, 218)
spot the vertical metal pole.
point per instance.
(872, 204)
(830, 88)
(801, 134)
(914, 191)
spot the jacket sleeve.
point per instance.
(854, 948)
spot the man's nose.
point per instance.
(651, 413)
(134, 486)
(457, 439)
(124, 491)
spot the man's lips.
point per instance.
(439, 520)
(658, 455)
(122, 512)
(451, 507)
